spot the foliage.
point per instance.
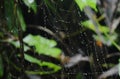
(41, 63)
(1, 67)
(42, 45)
(16, 26)
(21, 19)
(31, 4)
(107, 39)
(9, 13)
(103, 32)
(15, 46)
(83, 3)
(89, 25)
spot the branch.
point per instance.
(112, 71)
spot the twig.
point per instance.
(114, 13)
(76, 59)
(110, 72)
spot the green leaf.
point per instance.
(43, 45)
(34, 60)
(1, 67)
(83, 3)
(21, 19)
(79, 76)
(104, 29)
(9, 13)
(88, 24)
(31, 4)
(50, 5)
(17, 45)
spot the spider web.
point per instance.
(76, 42)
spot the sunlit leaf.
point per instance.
(42, 45)
(31, 4)
(34, 60)
(1, 67)
(103, 29)
(21, 19)
(83, 3)
(88, 24)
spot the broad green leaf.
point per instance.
(34, 60)
(83, 3)
(1, 67)
(88, 24)
(21, 19)
(54, 52)
(37, 39)
(31, 4)
(43, 45)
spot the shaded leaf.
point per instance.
(9, 13)
(50, 5)
(79, 76)
(1, 67)
(21, 19)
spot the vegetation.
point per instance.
(51, 39)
